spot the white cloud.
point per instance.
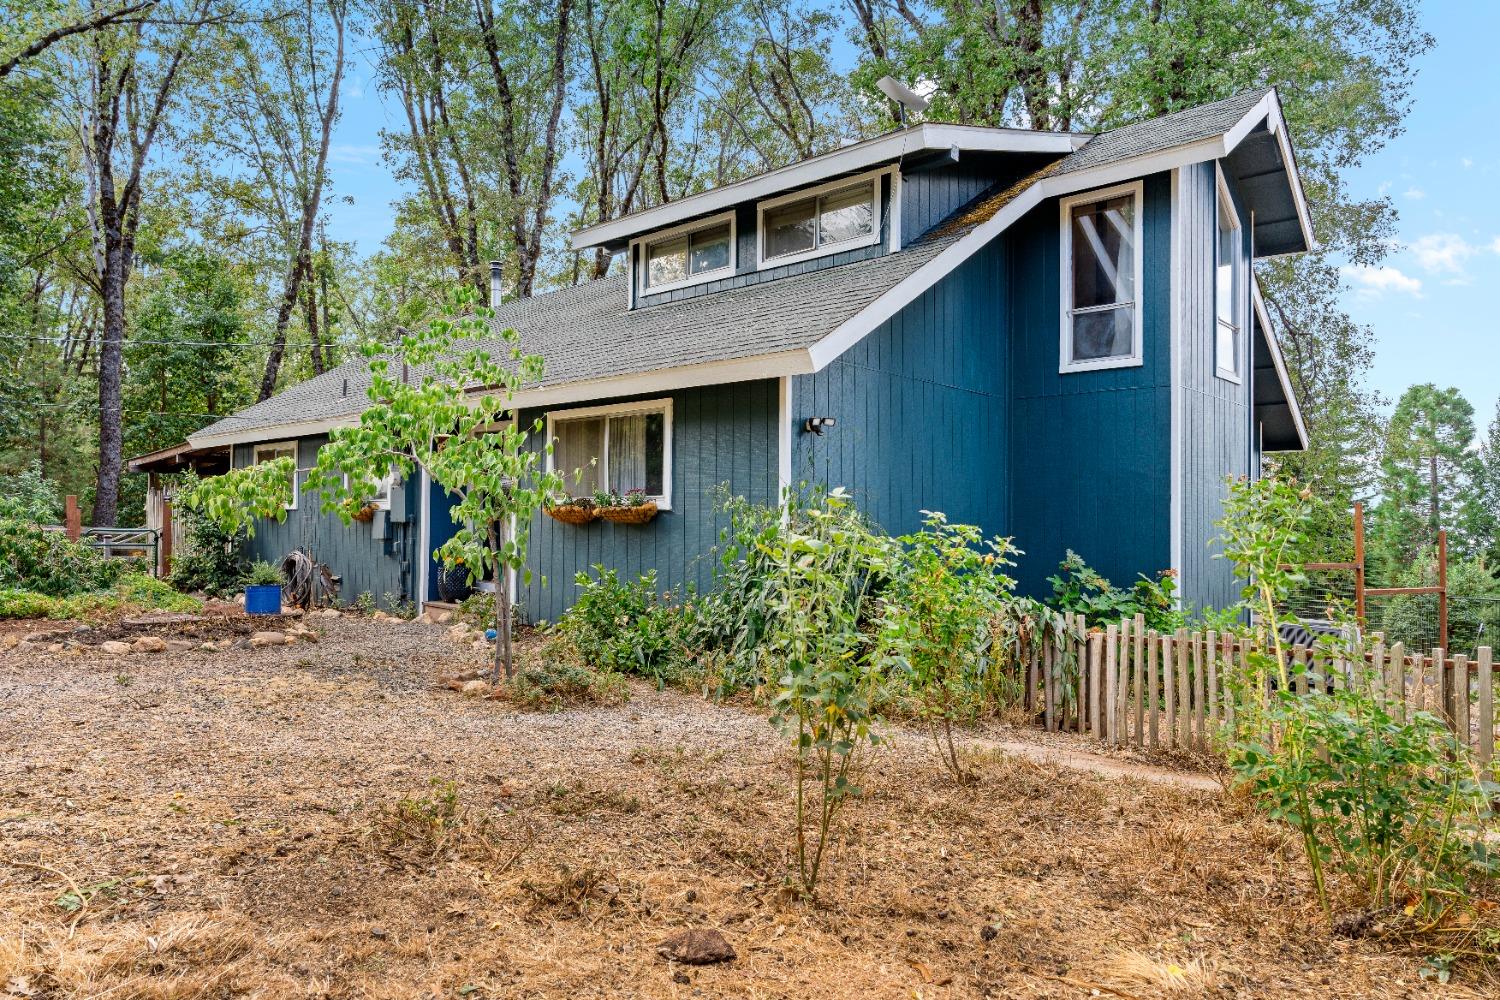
(1373, 282)
(1495, 245)
(1467, 162)
(1414, 194)
(351, 153)
(1443, 253)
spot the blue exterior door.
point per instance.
(440, 528)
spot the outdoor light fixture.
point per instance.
(815, 425)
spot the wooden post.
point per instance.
(1184, 693)
(1049, 648)
(1200, 693)
(1461, 699)
(1359, 563)
(1398, 679)
(1486, 707)
(1169, 689)
(164, 542)
(73, 519)
(1096, 678)
(1111, 684)
(1139, 665)
(1153, 690)
(1211, 647)
(1442, 582)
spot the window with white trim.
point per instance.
(383, 487)
(687, 255)
(271, 451)
(842, 215)
(620, 449)
(1228, 335)
(1101, 279)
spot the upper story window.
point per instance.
(279, 449)
(838, 216)
(1228, 282)
(687, 255)
(1101, 279)
(618, 448)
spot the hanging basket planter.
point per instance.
(573, 513)
(365, 514)
(639, 514)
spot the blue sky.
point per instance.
(1428, 304)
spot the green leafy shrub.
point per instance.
(1394, 806)
(627, 627)
(47, 562)
(29, 496)
(212, 561)
(263, 574)
(28, 604)
(1079, 589)
(947, 586)
(826, 681)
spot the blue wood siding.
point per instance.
(920, 406)
(720, 434)
(1089, 451)
(1216, 415)
(928, 197)
(379, 567)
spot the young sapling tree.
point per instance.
(449, 412)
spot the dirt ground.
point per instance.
(232, 820)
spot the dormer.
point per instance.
(859, 201)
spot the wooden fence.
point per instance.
(1128, 685)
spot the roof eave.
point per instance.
(1278, 360)
(846, 159)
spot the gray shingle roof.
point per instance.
(586, 332)
(1157, 134)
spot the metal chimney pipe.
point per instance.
(495, 285)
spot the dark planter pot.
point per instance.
(453, 585)
(263, 599)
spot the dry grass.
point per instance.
(270, 828)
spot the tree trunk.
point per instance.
(503, 656)
(111, 363)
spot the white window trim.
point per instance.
(1225, 208)
(872, 177)
(662, 406)
(268, 446)
(1066, 364)
(686, 229)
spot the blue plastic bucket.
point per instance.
(263, 599)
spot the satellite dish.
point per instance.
(908, 99)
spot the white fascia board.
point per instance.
(761, 366)
(1269, 108)
(273, 432)
(1273, 342)
(847, 159)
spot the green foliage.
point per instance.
(235, 500)
(462, 439)
(263, 574)
(826, 684)
(1079, 589)
(557, 683)
(47, 562)
(212, 561)
(946, 588)
(30, 496)
(133, 592)
(630, 628)
(1392, 805)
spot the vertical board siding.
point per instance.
(1216, 412)
(920, 406)
(1089, 451)
(385, 569)
(724, 434)
(928, 197)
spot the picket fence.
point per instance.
(1131, 686)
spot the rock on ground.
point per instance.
(698, 946)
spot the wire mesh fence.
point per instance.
(1473, 621)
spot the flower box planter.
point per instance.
(263, 599)
(365, 514)
(639, 514)
(573, 513)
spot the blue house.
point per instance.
(1055, 336)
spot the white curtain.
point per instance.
(627, 453)
(579, 444)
